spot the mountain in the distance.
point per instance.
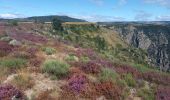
(46, 19)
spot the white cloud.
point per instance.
(165, 3)
(143, 16)
(10, 16)
(98, 18)
(163, 18)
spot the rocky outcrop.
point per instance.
(155, 39)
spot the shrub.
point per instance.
(163, 93)
(71, 58)
(157, 78)
(125, 69)
(21, 55)
(129, 80)
(108, 74)
(57, 24)
(55, 68)
(110, 90)
(7, 92)
(5, 48)
(13, 63)
(49, 50)
(35, 62)
(23, 81)
(146, 94)
(77, 83)
(91, 67)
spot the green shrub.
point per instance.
(107, 75)
(146, 94)
(130, 80)
(71, 58)
(84, 59)
(13, 63)
(49, 50)
(55, 68)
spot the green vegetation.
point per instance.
(146, 94)
(71, 57)
(130, 80)
(13, 22)
(23, 81)
(13, 63)
(108, 75)
(57, 24)
(49, 50)
(56, 68)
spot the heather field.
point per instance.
(37, 64)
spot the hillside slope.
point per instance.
(83, 62)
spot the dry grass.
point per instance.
(23, 80)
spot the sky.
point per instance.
(90, 10)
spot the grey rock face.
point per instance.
(155, 39)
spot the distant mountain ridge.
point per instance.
(46, 19)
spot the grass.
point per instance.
(146, 94)
(55, 68)
(71, 58)
(108, 75)
(23, 81)
(13, 63)
(49, 50)
(130, 80)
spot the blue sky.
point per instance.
(91, 10)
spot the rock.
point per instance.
(15, 43)
(155, 39)
(6, 39)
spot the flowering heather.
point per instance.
(32, 51)
(29, 37)
(77, 83)
(5, 48)
(124, 69)
(157, 78)
(86, 52)
(7, 92)
(35, 62)
(91, 67)
(163, 93)
(110, 90)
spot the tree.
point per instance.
(57, 24)
(13, 22)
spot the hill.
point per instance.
(46, 19)
(84, 61)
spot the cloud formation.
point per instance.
(164, 3)
(98, 18)
(142, 16)
(163, 18)
(10, 16)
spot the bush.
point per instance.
(129, 80)
(7, 92)
(13, 63)
(91, 67)
(108, 74)
(71, 58)
(23, 81)
(157, 78)
(146, 94)
(110, 90)
(55, 68)
(57, 24)
(77, 83)
(49, 50)
(163, 93)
